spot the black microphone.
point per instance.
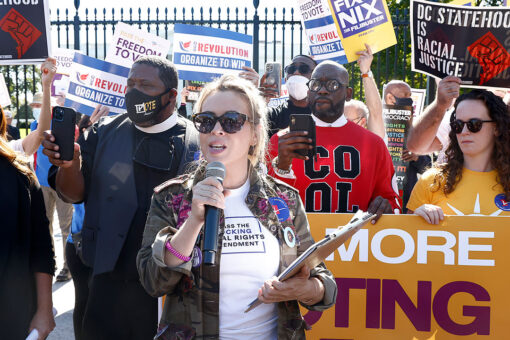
(212, 217)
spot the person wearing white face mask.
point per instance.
(297, 75)
(296, 85)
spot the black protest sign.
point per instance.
(24, 32)
(397, 120)
(468, 42)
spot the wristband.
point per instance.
(279, 171)
(176, 253)
(369, 74)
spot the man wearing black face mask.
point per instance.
(394, 91)
(352, 169)
(115, 168)
(297, 75)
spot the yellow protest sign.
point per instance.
(405, 279)
(363, 21)
(462, 2)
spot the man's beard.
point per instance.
(330, 114)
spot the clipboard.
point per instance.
(317, 252)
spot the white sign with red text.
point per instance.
(321, 31)
(205, 53)
(130, 43)
(60, 82)
(94, 81)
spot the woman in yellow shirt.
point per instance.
(475, 180)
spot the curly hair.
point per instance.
(451, 172)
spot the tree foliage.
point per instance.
(22, 82)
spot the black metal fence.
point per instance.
(277, 35)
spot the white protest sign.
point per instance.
(60, 82)
(321, 31)
(204, 53)
(94, 81)
(130, 43)
(284, 96)
(418, 97)
(5, 99)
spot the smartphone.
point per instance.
(63, 124)
(272, 78)
(300, 122)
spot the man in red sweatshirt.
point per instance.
(352, 169)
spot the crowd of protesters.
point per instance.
(138, 186)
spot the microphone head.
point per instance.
(215, 169)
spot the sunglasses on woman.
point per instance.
(230, 121)
(302, 68)
(474, 125)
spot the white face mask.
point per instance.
(36, 111)
(296, 85)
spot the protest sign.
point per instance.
(462, 2)
(405, 279)
(205, 53)
(194, 88)
(94, 81)
(24, 32)
(361, 22)
(418, 97)
(321, 31)
(284, 96)
(60, 82)
(468, 42)
(5, 98)
(130, 43)
(397, 121)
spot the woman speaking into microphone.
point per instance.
(262, 228)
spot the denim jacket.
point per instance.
(191, 308)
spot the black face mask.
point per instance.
(142, 107)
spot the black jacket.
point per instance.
(279, 117)
(25, 249)
(111, 199)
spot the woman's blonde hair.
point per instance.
(255, 102)
(5, 151)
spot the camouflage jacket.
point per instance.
(191, 308)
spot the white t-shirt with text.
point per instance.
(250, 255)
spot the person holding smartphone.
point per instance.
(352, 168)
(208, 301)
(115, 167)
(297, 74)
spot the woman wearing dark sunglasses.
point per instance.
(263, 228)
(475, 180)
